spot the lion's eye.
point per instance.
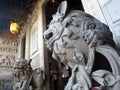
(49, 35)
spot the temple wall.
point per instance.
(9, 50)
(107, 11)
(34, 46)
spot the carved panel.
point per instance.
(34, 39)
(6, 61)
(114, 12)
(5, 84)
(5, 78)
(8, 46)
(8, 52)
(111, 13)
(93, 8)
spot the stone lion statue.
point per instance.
(21, 74)
(78, 39)
(24, 76)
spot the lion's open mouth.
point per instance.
(52, 34)
(49, 38)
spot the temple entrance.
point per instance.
(58, 77)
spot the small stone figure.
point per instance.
(24, 76)
(37, 80)
(21, 77)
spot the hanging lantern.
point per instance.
(52, 1)
(14, 28)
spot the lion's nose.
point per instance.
(48, 36)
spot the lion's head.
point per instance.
(71, 30)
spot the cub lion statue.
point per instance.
(78, 38)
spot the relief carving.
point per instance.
(76, 37)
(6, 61)
(8, 46)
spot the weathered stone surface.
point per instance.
(38, 79)
(21, 75)
(24, 76)
(76, 37)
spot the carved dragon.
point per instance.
(76, 37)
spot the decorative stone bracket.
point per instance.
(75, 37)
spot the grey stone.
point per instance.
(24, 76)
(75, 37)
